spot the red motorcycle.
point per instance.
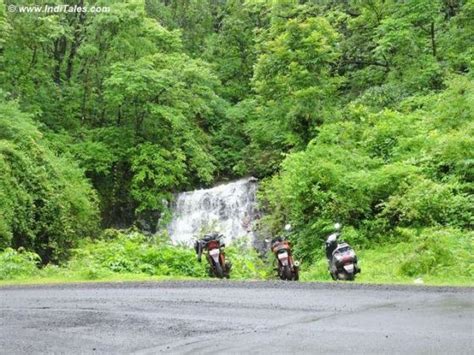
(212, 243)
(288, 268)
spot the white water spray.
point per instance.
(230, 209)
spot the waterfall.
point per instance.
(230, 209)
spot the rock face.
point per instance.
(230, 209)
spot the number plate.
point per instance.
(283, 255)
(349, 268)
(214, 252)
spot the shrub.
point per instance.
(410, 169)
(443, 252)
(246, 263)
(136, 254)
(436, 255)
(15, 264)
(133, 253)
(46, 204)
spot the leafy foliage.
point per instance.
(128, 253)
(357, 111)
(133, 253)
(434, 255)
(17, 264)
(45, 202)
(116, 83)
(377, 175)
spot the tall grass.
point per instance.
(16, 264)
(436, 256)
(129, 255)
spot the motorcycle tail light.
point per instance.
(213, 244)
(347, 259)
(280, 246)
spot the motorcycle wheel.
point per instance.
(332, 272)
(219, 271)
(296, 275)
(228, 266)
(287, 274)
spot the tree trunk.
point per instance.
(433, 42)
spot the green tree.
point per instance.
(378, 171)
(104, 84)
(46, 204)
(294, 84)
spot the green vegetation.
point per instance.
(358, 111)
(45, 202)
(132, 255)
(380, 173)
(434, 256)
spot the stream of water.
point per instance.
(230, 209)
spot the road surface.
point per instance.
(235, 317)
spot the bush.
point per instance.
(16, 264)
(444, 252)
(427, 203)
(133, 253)
(136, 254)
(118, 254)
(409, 168)
(246, 263)
(436, 255)
(46, 204)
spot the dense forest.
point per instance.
(358, 111)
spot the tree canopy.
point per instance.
(357, 111)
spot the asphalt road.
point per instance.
(235, 317)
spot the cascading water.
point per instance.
(230, 209)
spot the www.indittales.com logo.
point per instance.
(52, 9)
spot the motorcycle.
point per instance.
(214, 247)
(342, 260)
(287, 268)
